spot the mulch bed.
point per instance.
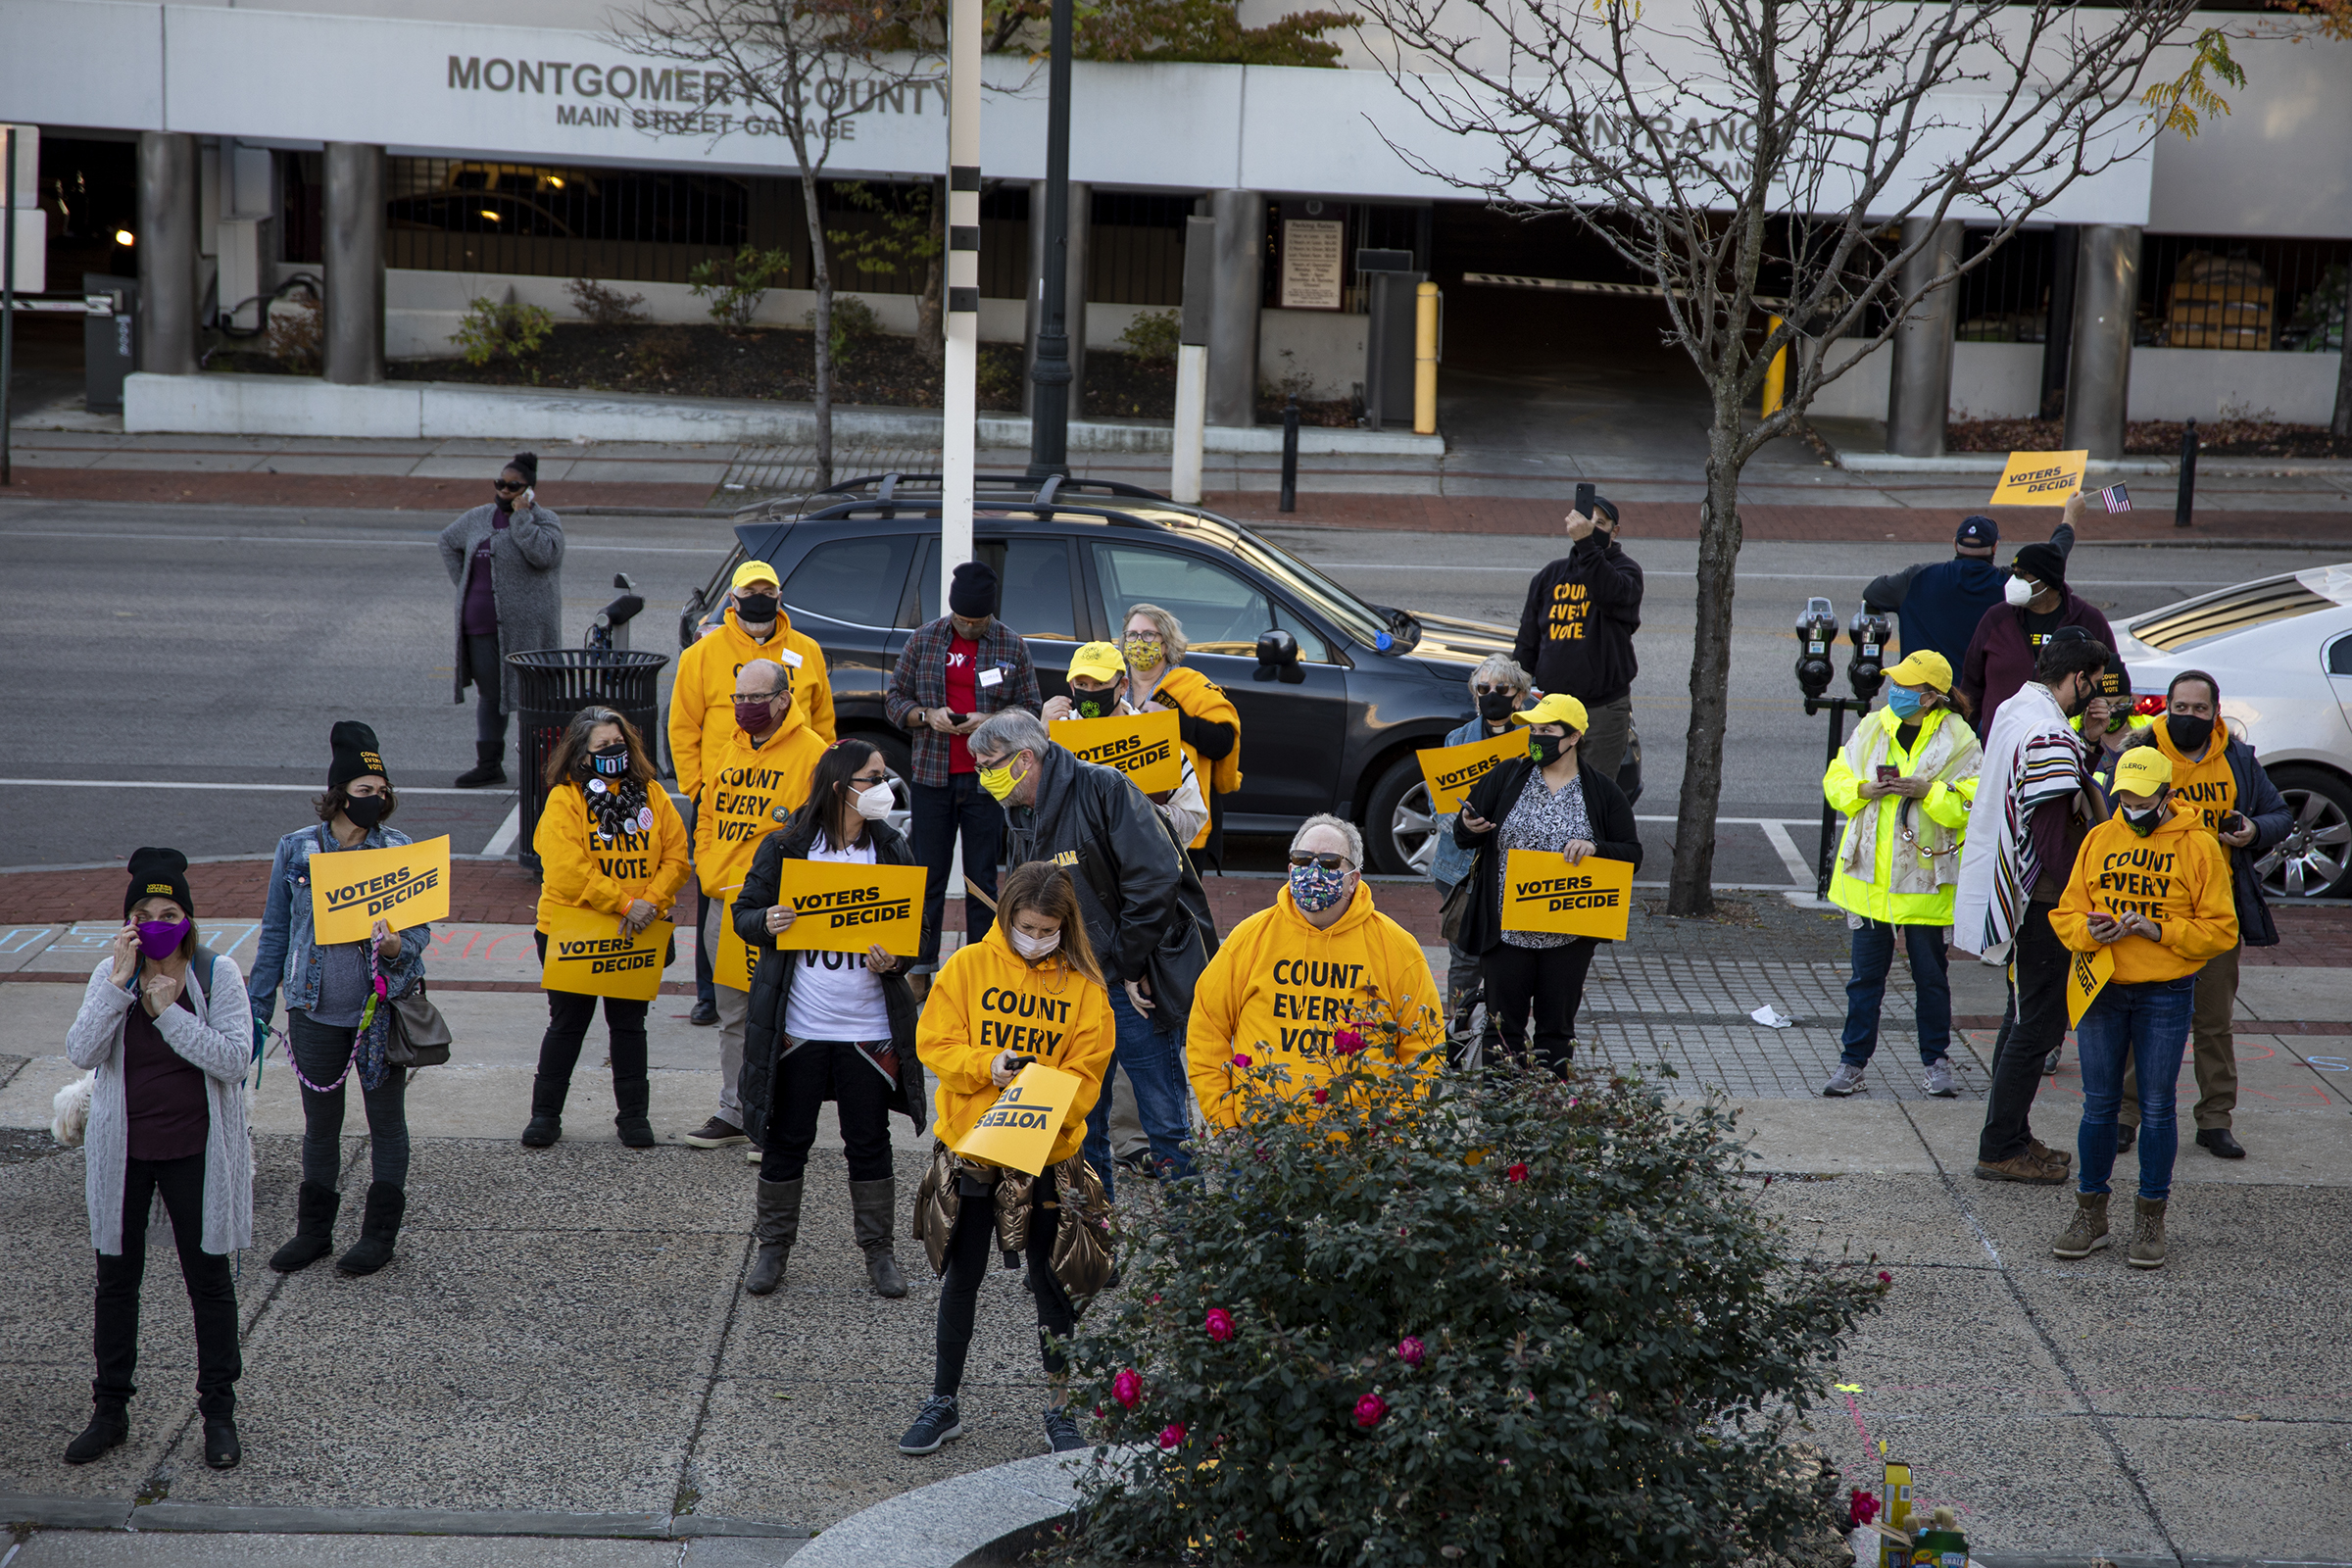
(2154, 438)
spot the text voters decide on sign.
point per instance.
(2039, 478)
(2084, 976)
(1450, 770)
(404, 885)
(1543, 892)
(1142, 747)
(846, 908)
(589, 954)
(1018, 1131)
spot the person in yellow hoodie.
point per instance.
(1290, 979)
(612, 843)
(2151, 888)
(1905, 785)
(1208, 726)
(754, 779)
(1028, 991)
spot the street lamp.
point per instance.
(1049, 407)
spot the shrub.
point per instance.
(605, 306)
(296, 337)
(1501, 1319)
(501, 328)
(736, 284)
(1152, 337)
(662, 353)
(854, 323)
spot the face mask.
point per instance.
(1032, 948)
(755, 609)
(1094, 704)
(2018, 592)
(2145, 822)
(1315, 889)
(1546, 749)
(364, 811)
(159, 939)
(1145, 653)
(611, 762)
(1905, 702)
(998, 782)
(2191, 736)
(751, 716)
(873, 804)
(1495, 707)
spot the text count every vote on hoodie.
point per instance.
(988, 1000)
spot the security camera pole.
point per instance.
(1050, 409)
(961, 397)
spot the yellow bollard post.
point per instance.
(1425, 359)
(1776, 378)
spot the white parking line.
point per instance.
(1776, 833)
(507, 832)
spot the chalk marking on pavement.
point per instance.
(507, 832)
(1776, 833)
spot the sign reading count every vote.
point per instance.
(402, 885)
(1543, 892)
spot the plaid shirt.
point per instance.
(920, 680)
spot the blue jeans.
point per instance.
(1155, 1063)
(1930, 983)
(2147, 1025)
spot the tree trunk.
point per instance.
(820, 278)
(930, 337)
(1692, 889)
(2340, 426)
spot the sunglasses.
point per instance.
(504, 488)
(1300, 860)
(870, 780)
(1485, 689)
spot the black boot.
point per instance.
(871, 1206)
(776, 1225)
(221, 1451)
(547, 1110)
(315, 1209)
(489, 767)
(630, 1097)
(109, 1425)
(386, 1203)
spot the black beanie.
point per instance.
(2045, 563)
(973, 592)
(526, 463)
(355, 754)
(159, 873)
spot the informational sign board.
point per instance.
(1543, 892)
(589, 954)
(2039, 478)
(1141, 746)
(402, 885)
(1312, 252)
(1018, 1132)
(2086, 975)
(1450, 770)
(847, 908)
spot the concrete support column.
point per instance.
(2098, 376)
(167, 243)
(1240, 218)
(1082, 203)
(1919, 384)
(355, 263)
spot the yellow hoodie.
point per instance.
(1278, 988)
(988, 998)
(744, 789)
(2205, 786)
(587, 873)
(701, 696)
(2176, 877)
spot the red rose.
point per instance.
(1171, 1434)
(1240, 1060)
(1219, 1324)
(1517, 1173)
(1411, 1352)
(1321, 1095)
(1348, 1040)
(1370, 1409)
(1862, 1507)
(1127, 1388)
(1886, 1278)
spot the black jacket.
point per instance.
(771, 983)
(1614, 838)
(1576, 634)
(2259, 803)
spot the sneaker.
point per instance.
(1941, 1081)
(1847, 1080)
(704, 1015)
(2028, 1167)
(1063, 1432)
(2049, 1063)
(1140, 1166)
(716, 1133)
(938, 1424)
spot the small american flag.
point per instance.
(2116, 499)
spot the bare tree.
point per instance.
(809, 67)
(1714, 144)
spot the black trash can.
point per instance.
(554, 683)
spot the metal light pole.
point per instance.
(8, 311)
(1050, 409)
(960, 399)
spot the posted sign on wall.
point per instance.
(402, 885)
(1141, 746)
(1543, 892)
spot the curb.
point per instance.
(987, 1516)
(127, 1513)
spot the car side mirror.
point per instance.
(1278, 658)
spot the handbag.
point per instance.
(420, 1036)
(1458, 906)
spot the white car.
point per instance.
(2282, 651)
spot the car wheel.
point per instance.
(1400, 831)
(2315, 859)
(899, 757)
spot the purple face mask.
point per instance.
(159, 939)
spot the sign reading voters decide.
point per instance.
(402, 885)
(1543, 892)
(1141, 746)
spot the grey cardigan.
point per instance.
(526, 577)
(218, 1038)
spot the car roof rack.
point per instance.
(885, 486)
(1045, 511)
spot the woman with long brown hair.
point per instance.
(611, 842)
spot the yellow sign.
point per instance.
(588, 955)
(2084, 977)
(1450, 770)
(1543, 892)
(403, 885)
(1018, 1132)
(846, 908)
(2039, 478)
(1141, 746)
(732, 959)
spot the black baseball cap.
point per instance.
(1977, 533)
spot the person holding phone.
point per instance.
(1576, 634)
(1905, 783)
(2152, 888)
(506, 558)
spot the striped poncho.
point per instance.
(2032, 758)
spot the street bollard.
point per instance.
(1290, 454)
(2187, 497)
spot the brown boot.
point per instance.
(2148, 1234)
(2053, 1157)
(2088, 1231)
(2025, 1166)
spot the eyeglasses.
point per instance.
(762, 696)
(1300, 858)
(870, 780)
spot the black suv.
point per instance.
(1335, 695)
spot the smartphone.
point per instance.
(1888, 773)
(953, 717)
(1018, 1062)
(2234, 821)
(1584, 499)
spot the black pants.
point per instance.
(937, 815)
(1548, 980)
(568, 1015)
(489, 676)
(2040, 997)
(211, 1289)
(321, 1052)
(969, 1251)
(809, 1075)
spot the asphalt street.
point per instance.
(178, 667)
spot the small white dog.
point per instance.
(71, 1108)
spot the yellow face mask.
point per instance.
(999, 781)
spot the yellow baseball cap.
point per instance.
(2142, 771)
(752, 571)
(1101, 662)
(1557, 708)
(1926, 667)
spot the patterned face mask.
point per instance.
(1145, 653)
(1314, 889)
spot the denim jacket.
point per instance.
(1451, 862)
(287, 953)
